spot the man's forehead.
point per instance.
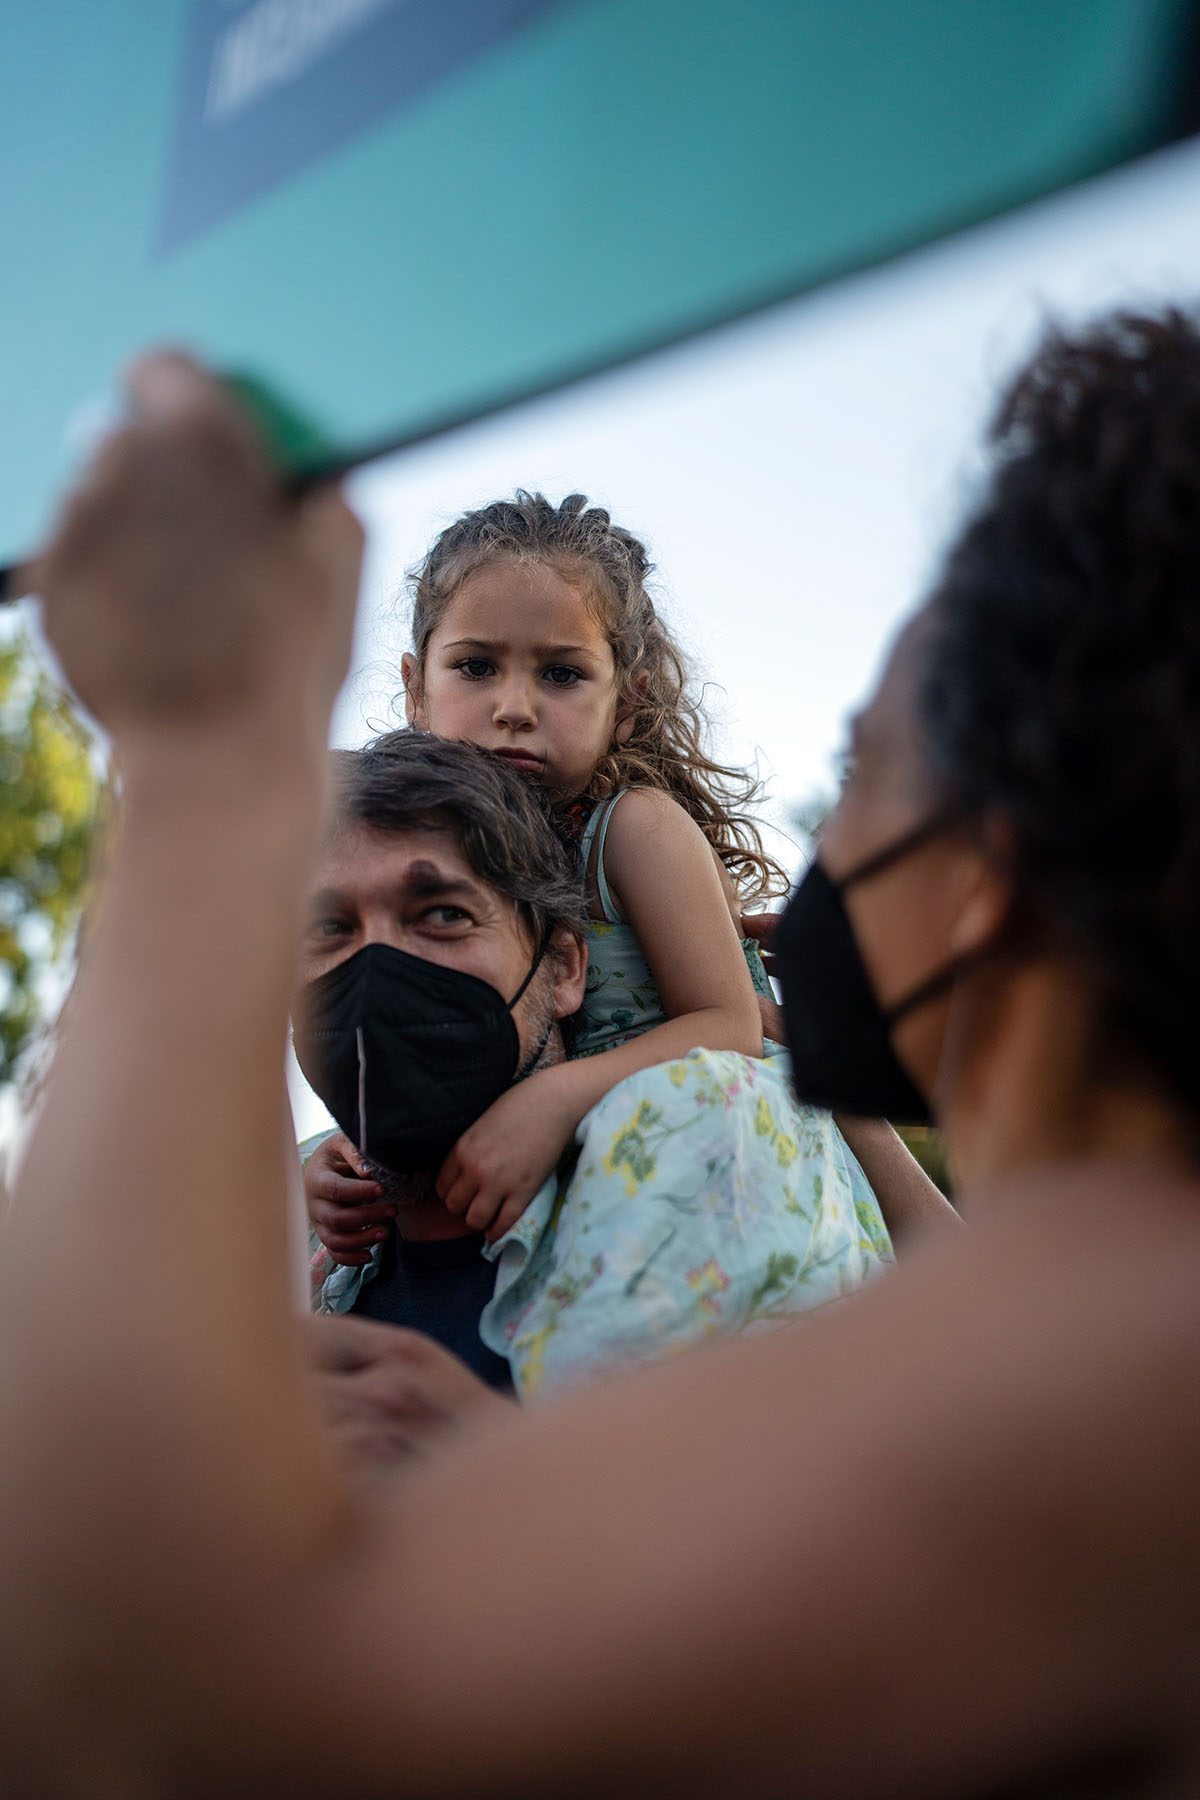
(427, 857)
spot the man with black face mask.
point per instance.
(442, 952)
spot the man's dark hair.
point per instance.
(1062, 690)
(405, 780)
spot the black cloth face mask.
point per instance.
(407, 1054)
(839, 1036)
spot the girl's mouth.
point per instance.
(523, 760)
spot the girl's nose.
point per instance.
(514, 706)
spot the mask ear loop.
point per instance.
(534, 966)
(531, 1061)
(880, 860)
(937, 983)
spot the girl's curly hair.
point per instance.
(666, 747)
(1062, 687)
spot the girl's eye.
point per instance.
(475, 668)
(845, 763)
(562, 675)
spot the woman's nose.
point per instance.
(514, 705)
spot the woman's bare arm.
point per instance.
(150, 1391)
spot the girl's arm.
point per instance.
(668, 886)
(670, 890)
(910, 1202)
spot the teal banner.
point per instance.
(401, 214)
(270, 87)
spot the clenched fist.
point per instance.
(182, 588)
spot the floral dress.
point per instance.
(705, 1198)
(703, 1201)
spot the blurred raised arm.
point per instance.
(146, 1369)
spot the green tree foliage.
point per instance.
(929, 1148)
(48, 794)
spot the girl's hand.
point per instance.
(774, 1025)
(338, 1193)
(761, 927)
(497, 1167)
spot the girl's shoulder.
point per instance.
(625, 831)
(637, 811)
(650, 831)
(634, 821)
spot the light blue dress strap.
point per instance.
(596, 832)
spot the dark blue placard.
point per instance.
(268, 86)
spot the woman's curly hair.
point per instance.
(1062, 687)
(666, 747)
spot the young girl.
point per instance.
(704, 1198)
(534, 636)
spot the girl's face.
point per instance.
(521, 666)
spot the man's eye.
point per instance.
(562, 675)
(326, 928)
(475, 668)
(446, 915)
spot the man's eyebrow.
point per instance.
(425, 878)
(326, 900)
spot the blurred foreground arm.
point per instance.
(206, 623)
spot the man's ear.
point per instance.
(568, 960)
(414, 703)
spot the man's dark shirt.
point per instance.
(438, 1288)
